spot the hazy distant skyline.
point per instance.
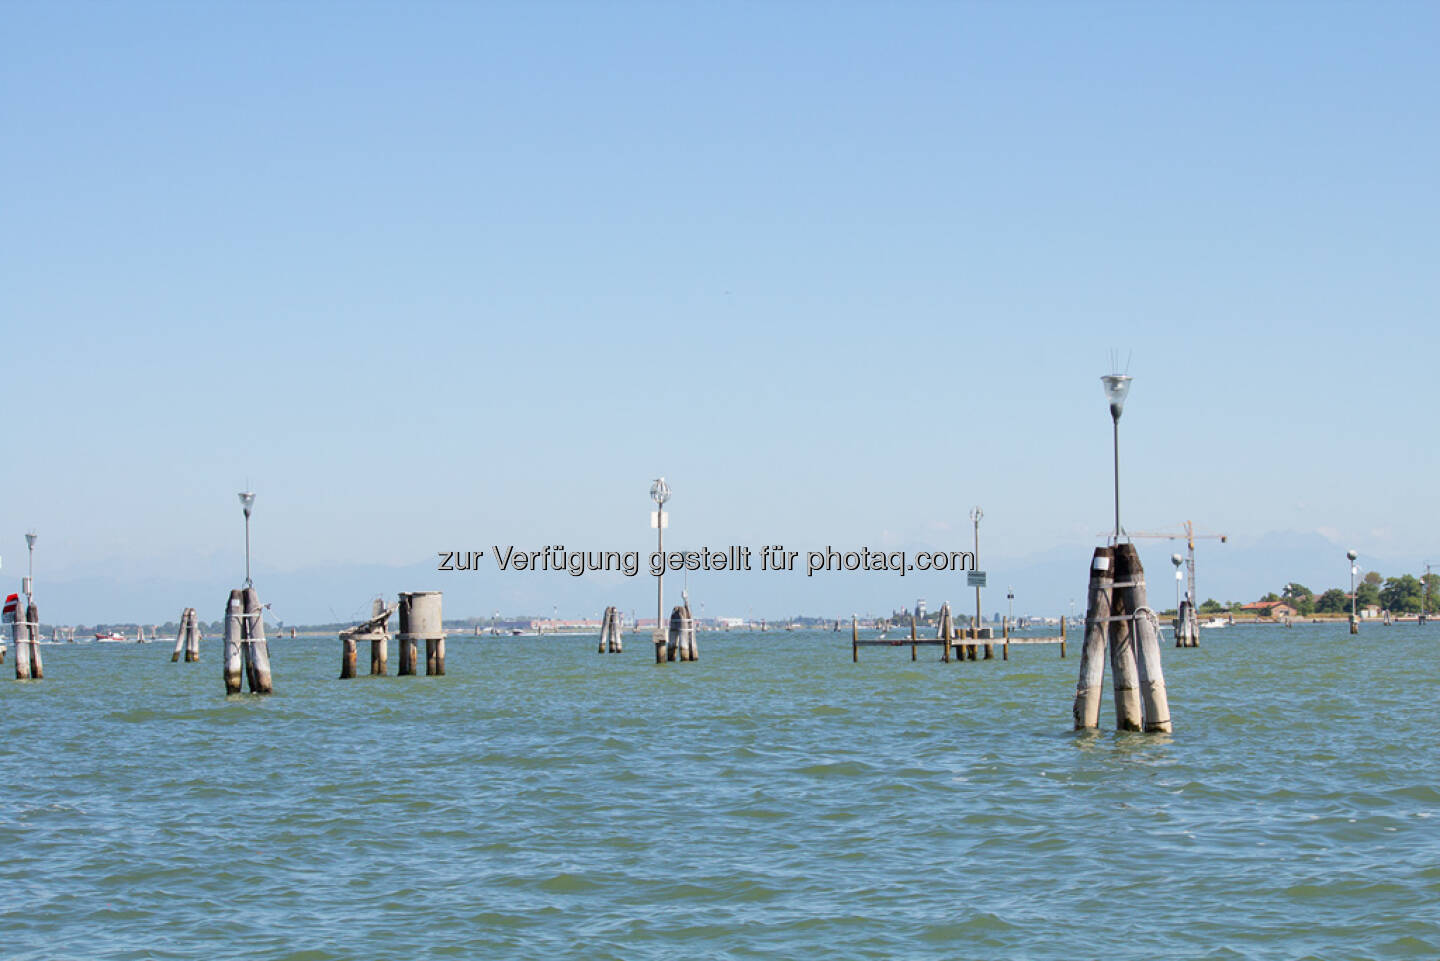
(433, 277)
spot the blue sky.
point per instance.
(437, 276)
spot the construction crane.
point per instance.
(1189, 536)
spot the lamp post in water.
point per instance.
(247, 501)
(30, 579)
(975, 514)
(1116, 387)
(659, 493)
(1354, 619)
(1177, 560)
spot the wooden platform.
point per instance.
(963, 644)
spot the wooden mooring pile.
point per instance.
(610, 631)
(1118, 620)
(187, 639)
(1187, 625)
(24, 620)
(247, 656)
(680, 642)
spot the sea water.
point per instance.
(773, 800)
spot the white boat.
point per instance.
(1213, 622)
(114, 637)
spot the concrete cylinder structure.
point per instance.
(420, 620)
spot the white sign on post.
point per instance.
(659, 519)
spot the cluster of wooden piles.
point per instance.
(610, 631)
(1118, 618)
(24, 620)
(680, 640)
(247, 655)
(187, 639)
(1187, 625)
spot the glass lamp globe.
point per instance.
(1116, 387)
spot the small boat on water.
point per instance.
(113, 637)
(1213, 622)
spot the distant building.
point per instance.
(920, 609)
(1270, 609)
(554, 625)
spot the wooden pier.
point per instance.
(964, 643)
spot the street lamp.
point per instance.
(30, 579)
(659, 493)
(1116, 387)
(1177, 560)
(975, 514)
(247, 501)
(1354, 621)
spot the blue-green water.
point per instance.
(771, 801)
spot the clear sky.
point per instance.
(437, 276)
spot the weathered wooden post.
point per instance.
(420, 618)
(1062, 637)
(1124, 673)
(180, 637)
(945, 630)
(681, 638)
(375, 631)
(1187, 625)
(347, 655)
(690, 648)
(407, 640)
(1092, 652)
(617, 632)
(187, 638)
(1145, 631)
(192, 638)
(256, 652)
(913, 638)
(234, 661)
(380, 640)
(24, 620)
(20, 634)
(32, 618)
(610, 631)
(854, 640)
(1005, 635)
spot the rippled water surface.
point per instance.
(772, 800)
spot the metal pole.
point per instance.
(660, 578)
(1115, 422)
(977, 566)
(247, 549)
(1424, 592)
